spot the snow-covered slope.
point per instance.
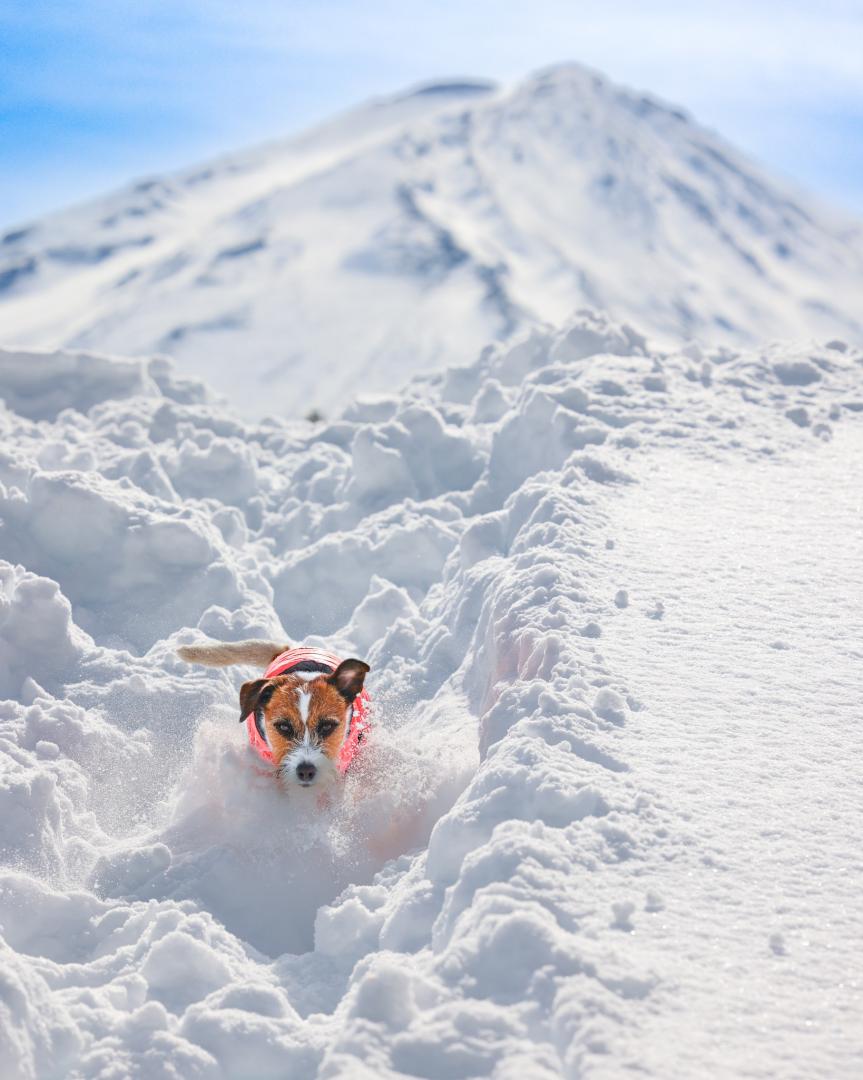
(416, 229)
(606, 824)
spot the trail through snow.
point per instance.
(611, 601)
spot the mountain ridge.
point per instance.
(406, 233)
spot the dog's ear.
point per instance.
(254, 695)
(348, 678)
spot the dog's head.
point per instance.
(304, 717)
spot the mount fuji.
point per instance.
(415, 229)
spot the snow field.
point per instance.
(758, 567)
(489, 894)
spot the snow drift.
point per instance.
(415, 229)
(498, 888)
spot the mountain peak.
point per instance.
(578, 79)
(411, 231)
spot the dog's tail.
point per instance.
(225, 653)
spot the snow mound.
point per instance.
(467, 905)
(479, 210)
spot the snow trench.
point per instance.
(462, 906)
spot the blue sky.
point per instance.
(95, 92)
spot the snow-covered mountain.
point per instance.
(415, 229)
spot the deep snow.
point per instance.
(413, 230)
(607, 823)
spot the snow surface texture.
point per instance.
(413, 231)
(605, 825)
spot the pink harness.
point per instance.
(359, 720)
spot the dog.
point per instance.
(308, 715)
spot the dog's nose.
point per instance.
(306, 772)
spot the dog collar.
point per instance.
(309, 659)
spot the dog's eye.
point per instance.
(284, 727)
(326, 728)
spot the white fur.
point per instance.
(310, 754)
(264, 732)
(304, 699)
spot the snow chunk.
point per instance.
(590, 333)
(39, 639)
(796, 372)
(114, 546)
(38, 384)
(181, 969)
